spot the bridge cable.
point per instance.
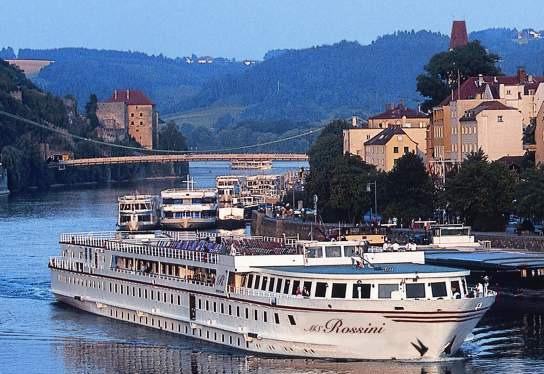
(112, 145)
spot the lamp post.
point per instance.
(315, 209)
(368, 189)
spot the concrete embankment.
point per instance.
(267, 226)
(516, 242)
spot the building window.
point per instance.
(141, 114)
(132, 123)
(406, 150)
(132, 114)
(395, 149)
(141, 123)
(499, 119)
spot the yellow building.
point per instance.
(539, 136)
(384, 149)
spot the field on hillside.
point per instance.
(205, 117)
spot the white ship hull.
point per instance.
(188, 223)
(375, 329)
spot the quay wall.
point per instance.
(267, 226)
(516, 242)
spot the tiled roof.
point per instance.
(459, 36)
(486, 105)
(130, 97)
(384, 136)
(472, 87)
(400, 111)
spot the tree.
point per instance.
(530, 194)
(481, 193)
(90, 111)
(446, 69)
(170, 138)
(409, 190)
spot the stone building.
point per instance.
(129, 112)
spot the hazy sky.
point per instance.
(241, 28)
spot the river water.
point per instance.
(38, 335)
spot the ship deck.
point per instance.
(376, 269)
(492, 260)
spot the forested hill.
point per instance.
(329, 81)
(80, 72)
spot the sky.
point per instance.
(241, 28)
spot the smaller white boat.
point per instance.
(3, 181)
(230, 217)
(251, 164)
(138, 212)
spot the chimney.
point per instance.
(522, 75)
(353, 121)
(480, 80)
(128, 95)
(530, 78)
(114, 94)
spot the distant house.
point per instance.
(390, 144)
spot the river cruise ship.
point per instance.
(250, 165)
(138, 212)
(271, 295)
(188, 208)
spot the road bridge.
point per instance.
(188, 157)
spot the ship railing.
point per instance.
(259, 293)
(92, 239)
(156, 251)
(197, 282)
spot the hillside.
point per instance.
(80, 72)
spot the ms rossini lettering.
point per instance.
(336, 326)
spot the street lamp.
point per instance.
(315, 209)
(368, 189)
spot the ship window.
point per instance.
(291, 320)
(265, 316)
(306, 289)
(338, 290)
(320, 289)
(222, 308)
(199, 303)
(335, 251)
(277, 318)
(286, 285)
(314, 252)
(415, 290)
(455, 289)
(278, 285)
(257, 281)
(271, 284)
(207, 305)
(296, 288)
(464, 283)
(237, 311)
(385, 290)
(348, 250)
(256, 315)
(230, 310)
(159, 296)
(263, 285)
(247, 313)
(214, 307)
(145, 293)
(361, 291)
(439, 289)
(249, 281)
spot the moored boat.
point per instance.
(138, 212)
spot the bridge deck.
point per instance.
(157, 159)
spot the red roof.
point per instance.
(400, 111)
(130, 97)
(475, 86)
(384, 136)
(459, 36)
(486, 105)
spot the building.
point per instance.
(128, 112)
(384, 149)
(399, 115)
(539, 136)
(413, 122)
(491, 126)
(459, 35)
(522, 92)
(113, 120)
